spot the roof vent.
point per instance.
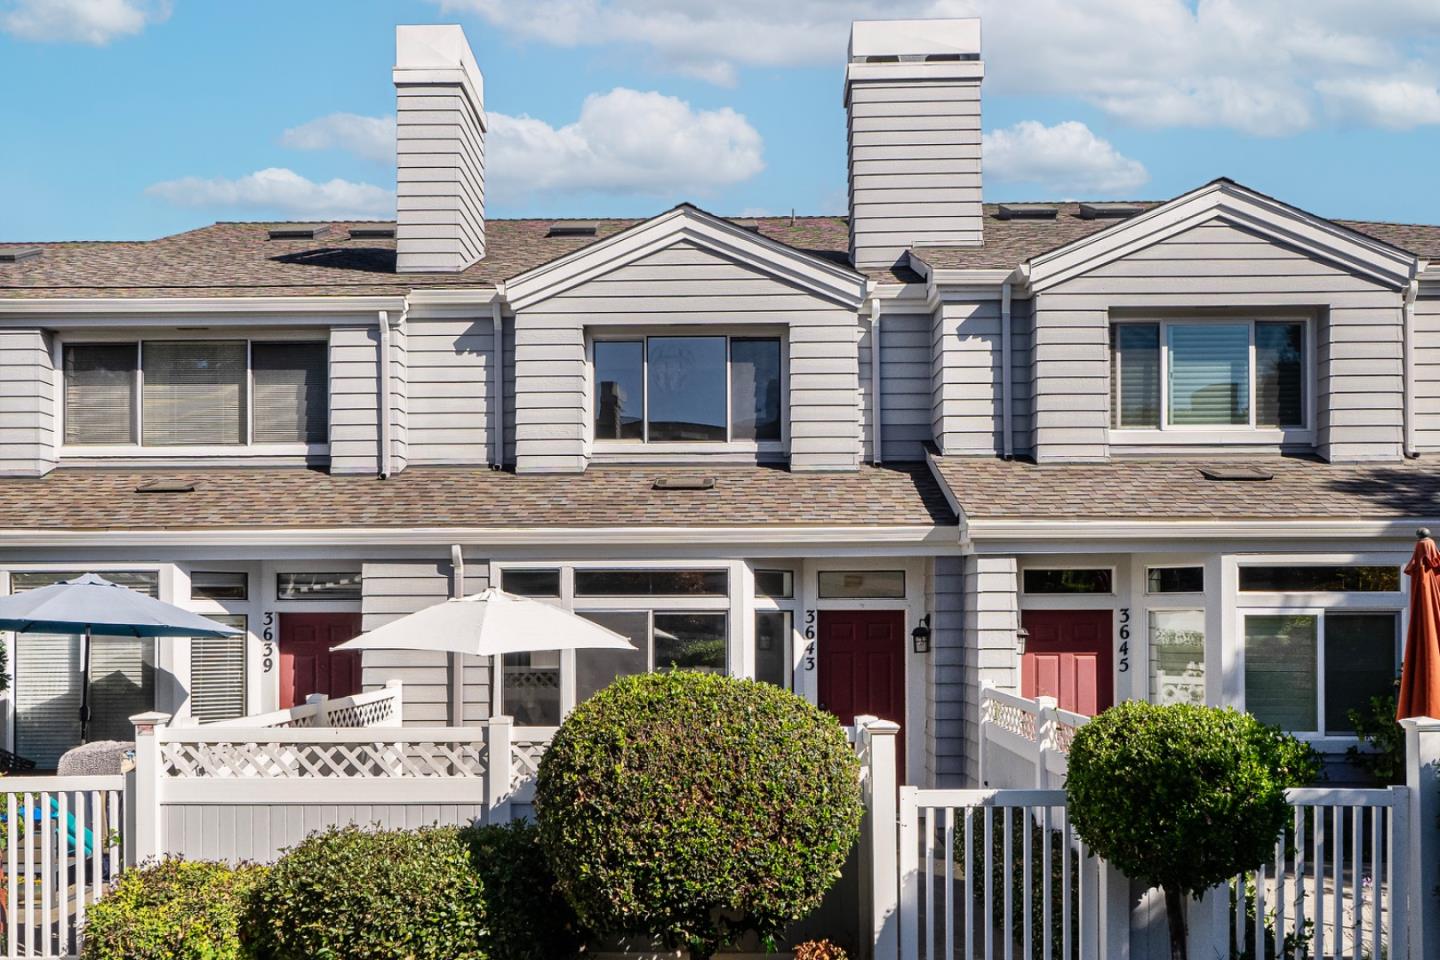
(166, 486)
(1027, 211)
(747, 223)
(299, 231)
(573, 228)
(1236, 474)
(16, 254)
(684, 483)
(372, 231)
(1109, 211)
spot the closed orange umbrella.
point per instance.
(1420, 677)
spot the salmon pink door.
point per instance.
(308, 664)
(861, 656)
(1067, 656)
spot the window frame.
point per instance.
(761, 448)
(139, 449)
(1167, 432)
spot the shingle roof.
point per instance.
(604, 496)
(1175, 489)
(238, 259)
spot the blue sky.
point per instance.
(138, 118)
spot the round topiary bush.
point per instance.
(695, 807)
(526, 916)
(365, 895)
(172, 910)
(1182, 797)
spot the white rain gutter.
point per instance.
(383, 376)
(456, 661)
(875, 433)
(1407, 334)
(499, 402)
(1006, 376)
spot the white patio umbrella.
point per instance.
(489, 624)
(92, 605)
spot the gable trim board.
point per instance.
(839, 284)
(1228, 201)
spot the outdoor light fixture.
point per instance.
(1021, 635)
(920, 636)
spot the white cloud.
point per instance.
(1393, 103)
(1265, 67)
(1066, 159)
(370, 137)
(95, 22)
(280, 192)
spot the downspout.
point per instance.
(875, 433)
(456, 660)
(383, 376)
(1407, 333)
(499, 326)
(1006, 376)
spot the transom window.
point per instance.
(169, 393)
(679, 389)
(1316, 578)
(1177, 374)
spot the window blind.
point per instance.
(194, 392)
(217, 674)
(1135, 375)
(100, 393)
(1279, 374)
(291, 392)
(1280, 682)
(1209, 373)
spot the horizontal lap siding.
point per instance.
(354, 400)
(1425, 392)
(28, 431)
(1022, 387)
(451, 385)
(914, 153)
(399, 398)
(965, 381)
(1359, 376)
(990, 620)
(905, 406)
(685, 286)
(439, 179)
(392, 590)
(945, 691)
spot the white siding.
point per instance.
(905, 390)
(1215, 265)
(399, 398)
(1021, 377)
(685, 285)
(354, 400)
(965, 377)
(990, 619)
(945, 666)
(439, 178)
(1425, 391)
(451, 386)
(390, 591)
(28, 434)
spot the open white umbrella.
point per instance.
(93, 605)
(490, 624)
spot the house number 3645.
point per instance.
(1124, 662)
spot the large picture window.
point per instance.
(1304, 671)
(688, 389)
(175, 393)
(1185, 374)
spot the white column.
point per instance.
(499, 733)
(1422, 777)
(318, 702)
(879, 918)
(143, 801)
(1044, 740)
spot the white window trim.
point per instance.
(660, 448)
(140, 451)
(1167, 433)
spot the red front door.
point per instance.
(1067, 656)
(307, 662)
(861, 656)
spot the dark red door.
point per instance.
(861, 656)
(1068, 657)
(307, 662)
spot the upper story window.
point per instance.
(169, 393)
(1217, 374)
(687, 389)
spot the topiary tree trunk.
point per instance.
(1175, 914)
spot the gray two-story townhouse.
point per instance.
(1094, 451)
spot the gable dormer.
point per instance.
(686, 338)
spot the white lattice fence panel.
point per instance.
(271, 759)
(1011, 717)
(371, 714)
(525, 760)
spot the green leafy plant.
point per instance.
(1182, 797)
(172, 910)
(1377, 726)
(527, 918)
(353, 894)
(695, 807)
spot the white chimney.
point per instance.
(912, 98)
(439, 151)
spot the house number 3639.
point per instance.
(1123, 665)
(267, 643)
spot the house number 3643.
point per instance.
(1124, 661)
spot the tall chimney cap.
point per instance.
(951, 39)
(433, 48)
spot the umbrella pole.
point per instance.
(85, 688)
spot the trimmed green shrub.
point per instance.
(694, 807)
(527, 918)
(172, 910)
(1182, 797)
(352, 894)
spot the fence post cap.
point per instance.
(145, 723)
(1421, 724)
(501, 719)
(316, 698)
(884, 728)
